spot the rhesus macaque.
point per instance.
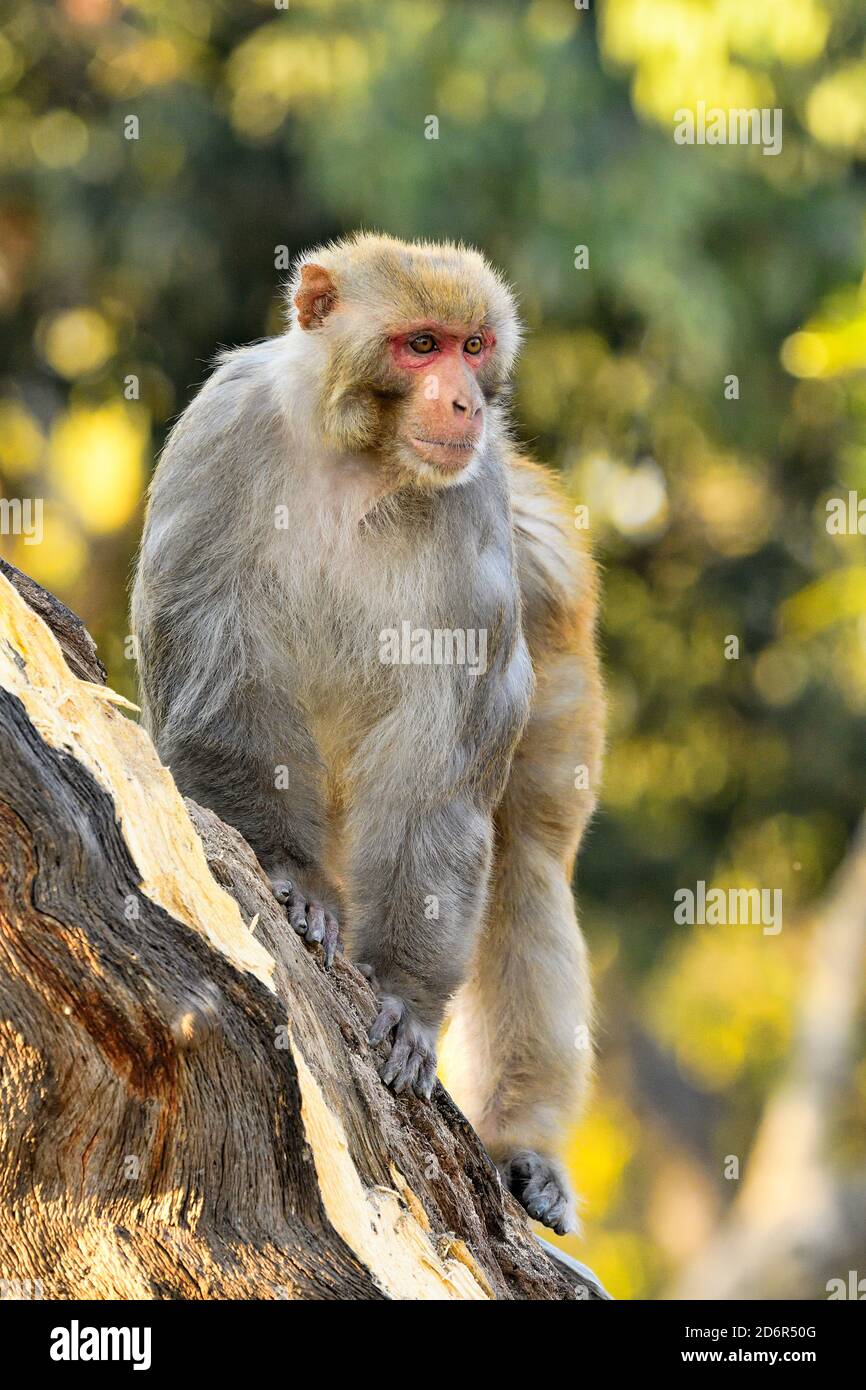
(347, 481)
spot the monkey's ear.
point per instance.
(316, 295)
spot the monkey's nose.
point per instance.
(464, 407)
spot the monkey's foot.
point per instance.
(411, 1064)
(540, 1185)
(308, 918)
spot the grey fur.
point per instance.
(259, 649)
(239, 663)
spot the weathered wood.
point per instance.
(75, 641)
(190, 1108)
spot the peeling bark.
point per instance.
(190, 1108)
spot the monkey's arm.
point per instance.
(209, 620)
(420, 836)
(239, 746)
(419, 896)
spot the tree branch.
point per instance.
(191, 1106)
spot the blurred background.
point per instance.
(725, 1148)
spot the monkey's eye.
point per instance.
(474, 345)
(423, 343)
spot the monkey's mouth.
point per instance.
(450, 454)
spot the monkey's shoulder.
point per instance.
(238, 397)
(557, 573)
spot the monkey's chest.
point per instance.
(358, 655)
(375, 622)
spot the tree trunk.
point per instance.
(190, 1106)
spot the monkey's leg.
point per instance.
(517, 1049)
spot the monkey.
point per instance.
(333, 501)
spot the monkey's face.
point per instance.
(439, 367)
(413, 344)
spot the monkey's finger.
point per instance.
(539, 1205)
(545, 1200)
(405, 1081)
(426, 1079)
(541, 1185)
(561, 1217)
(298, 914)
(388, 1018)
(332, 939)
(315, 923)
(396, 1063)
(282, 889)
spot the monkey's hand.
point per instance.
(541, 1187)
(308, 917)
(411, 1063)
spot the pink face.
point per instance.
(445, 410)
